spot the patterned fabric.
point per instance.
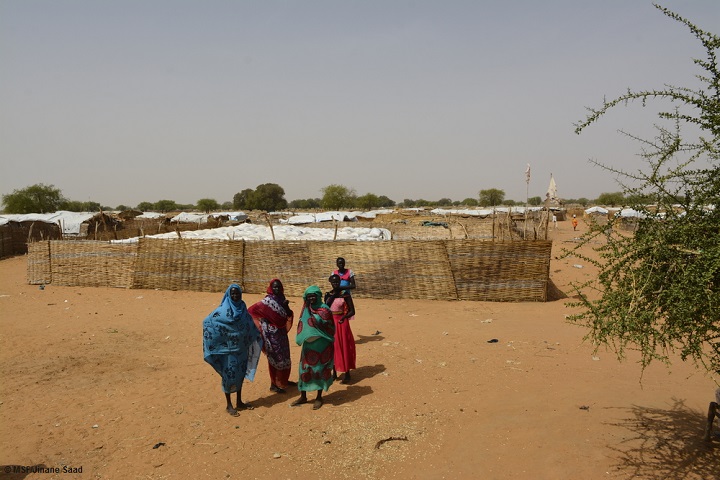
(276, 345)
(273, 308)
(315, 334)
(344, 339)
(274, 317)
(231, 342)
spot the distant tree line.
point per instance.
(270, 197)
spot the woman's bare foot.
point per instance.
(317, 404)
(232, 411)
(245, 406)
(298, 402)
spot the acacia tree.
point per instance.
(166, 206)
(38, 198)
(305, 203)
(269, 197)
(658, 290)
(367, 201)
(207, 205)
(491, 197)
(611, 199)
(386, 201)
(336, 197)
(241, 200)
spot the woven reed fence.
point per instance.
(38, 263)
(91, 263)
(182, 264)
(414, 269)
(500, 271)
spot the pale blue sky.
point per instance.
(127, 101)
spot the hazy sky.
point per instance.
(120, 102)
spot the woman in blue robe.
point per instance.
(232, 345)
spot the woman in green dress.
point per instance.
(316, 336)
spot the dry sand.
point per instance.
(113, 381)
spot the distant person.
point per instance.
(343, 310)
(713, 413)
(554, 220)
(274, 319)
(347, 276)
(232, 345)
(315, 335)
(574, 222)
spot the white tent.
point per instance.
(185, 217)
(630, 213)
(303, 218)
(249, 231)
(600, 210)
(69, 222)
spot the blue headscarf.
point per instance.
(229, 329)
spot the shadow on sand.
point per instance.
(376, 337)
(353, 391)
(667, 445)
(273, 398)
(337, 395)
(554, 293)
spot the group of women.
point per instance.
(234, 336)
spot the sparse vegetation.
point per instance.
(658, 290)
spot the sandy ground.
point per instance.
(113, 382)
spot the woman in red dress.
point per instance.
(274, 319)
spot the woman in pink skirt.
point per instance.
(343, 310)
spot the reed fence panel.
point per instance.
(92, 263)
(290, 261)
(393, 270)
(489, 271)
(38, 263)
(195, 265)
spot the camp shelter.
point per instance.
(16, 234)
